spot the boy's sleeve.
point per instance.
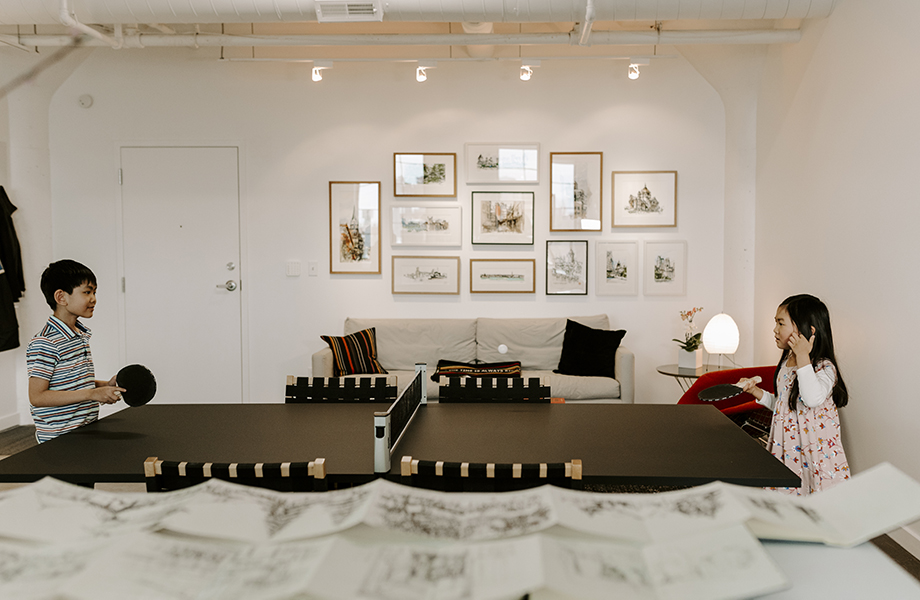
(41, 358)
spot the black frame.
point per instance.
(473, 214)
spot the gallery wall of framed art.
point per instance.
(428, 209)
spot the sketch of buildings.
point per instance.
(434, 173)
(616, 269)
(419, 275)
(502, 277)
(664, 269)
(643, 202)
(486, 162)
(579, 202)
(352, 246)
(502, 217)
(567, 269)
(426, 224)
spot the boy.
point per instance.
(63, 391)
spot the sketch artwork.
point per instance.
(617, 268)
(502, 163)
(354, 227)
(502, 217)
(426, 275)
(489, 275)
(353, 241)
(566, 267)
(424, 174)
(645, 199)
(665, 271)
(468, 517)
(576, 196)
(426, 226)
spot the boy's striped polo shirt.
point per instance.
(62, 357)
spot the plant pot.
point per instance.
(689, 360)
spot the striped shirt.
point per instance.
(62, 357)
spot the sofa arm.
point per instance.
(625, 372)
(322, 363)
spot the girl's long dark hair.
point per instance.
(806, 312)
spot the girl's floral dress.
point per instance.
(807, 440)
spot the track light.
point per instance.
(421, 72)
(527, 68)
(633, 72)
(318, 67)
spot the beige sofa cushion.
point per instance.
(537, 343)
(403, 342)
(574, 388)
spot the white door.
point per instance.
(181, 227)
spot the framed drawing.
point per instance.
(432, 174)
(426, 226)
(354, 227)
(503, 276)
(566, 268)
(502, 218)
(576, 191)
(645, 199)
(665, 269)
(502, 163)
(617, 271)
(426, 274)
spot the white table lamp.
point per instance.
(721, 335)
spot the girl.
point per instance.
(805, 431)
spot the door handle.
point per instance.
(229, 286)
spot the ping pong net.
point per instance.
(389, 426)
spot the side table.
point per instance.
(685, 377)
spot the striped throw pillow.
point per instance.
(355, 354)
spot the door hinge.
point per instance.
(120, 177)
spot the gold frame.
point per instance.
(396, 193)
(613, 199)
(600, 184)
(332, 229)
(533, 275)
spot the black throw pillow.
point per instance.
(588, 352)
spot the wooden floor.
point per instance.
(17, 439)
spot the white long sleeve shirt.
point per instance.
(814, 388)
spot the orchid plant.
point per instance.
(692, 340)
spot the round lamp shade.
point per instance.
(721, 335)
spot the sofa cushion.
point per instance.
(354, 354)
(536, 343)
(573, 387)
(589, 352)
(403, 342)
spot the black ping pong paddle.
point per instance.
(139, 383)
(722, 391)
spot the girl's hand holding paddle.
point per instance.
(107, 394)
(749, 385)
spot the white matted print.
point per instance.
(502, 276)
(617, 269)
(417, 225)
(576, 191)
(665, 268)
(502, 218)
(426, 274)
(354, 227)
(644, 199)
(566, 268)
(502, 163)
(433, 174)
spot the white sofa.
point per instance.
(536, 343)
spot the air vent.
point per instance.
(348, 11)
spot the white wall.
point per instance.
(837, 211)
(296, 136)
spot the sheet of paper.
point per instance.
(461, 516)
(223, 510)
(30, 572)
(161, 567)
(649, 517)
(718, 565)
(54, 511)
(865, 506)
(425, 571)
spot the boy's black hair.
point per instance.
(64, 275)
(806, 312)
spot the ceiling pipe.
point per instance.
(599, 38)
(586, 26)
(67, 18)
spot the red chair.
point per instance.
(743, 409)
